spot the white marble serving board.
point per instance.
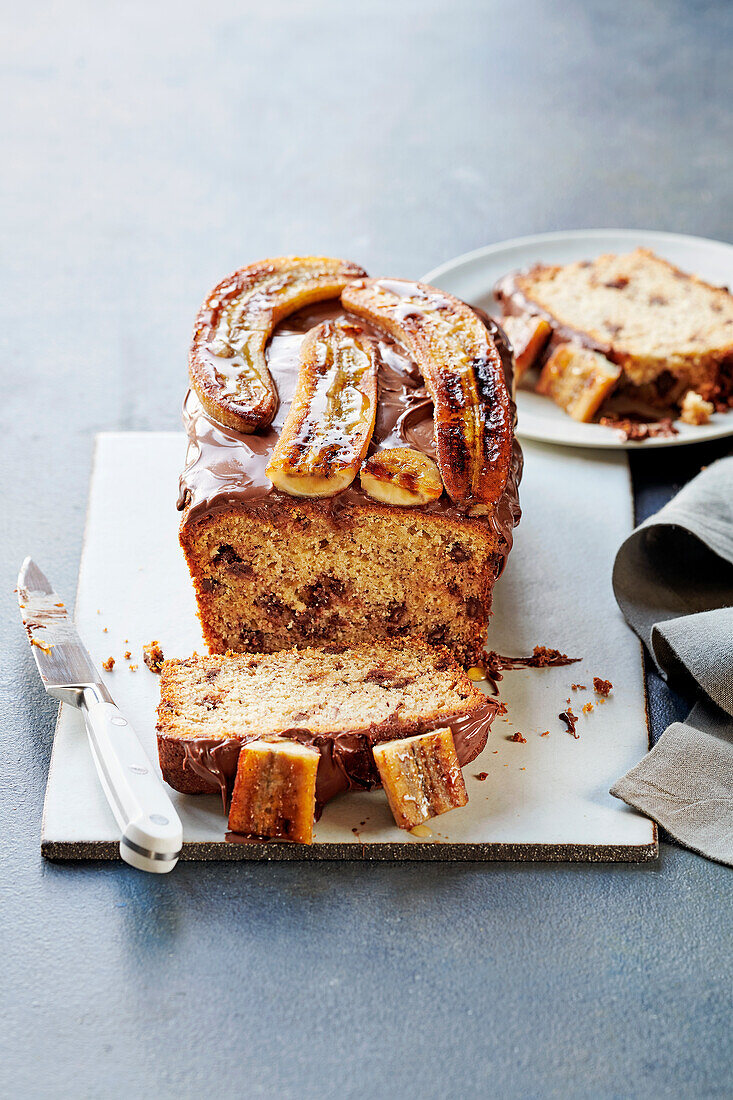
(545, 799)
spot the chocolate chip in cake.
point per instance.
(387, 679)
(395, 612)
(227, 555)
(458, 552)
(272, 605)
(438, 635)
(474, 607)
(321, 592)
(208, 584)
(618, 284)
(252, 639)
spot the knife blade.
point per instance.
(152, 834)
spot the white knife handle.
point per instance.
(151, 829)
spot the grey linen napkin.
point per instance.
(673, 579)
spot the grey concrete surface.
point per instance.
(146, 150)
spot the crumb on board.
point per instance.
(109, 664)
(587, 708)
(482, 776)
(602, 687)
(153, 656)
(578, 687)
(545, 734)
(518, 738)
(132, 668)
(127, 655)
(570, 720)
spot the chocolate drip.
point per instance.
(346, 762)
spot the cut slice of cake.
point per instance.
(668, 331)
(340, 702)
(341, 522)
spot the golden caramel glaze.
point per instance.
(463, 373)
(227, 365)
(329, 426)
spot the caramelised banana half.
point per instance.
(227, 365)
(399, 475)
(330, 423)
(463, 373)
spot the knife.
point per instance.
(152, 835)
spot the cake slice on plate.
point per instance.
(661, 332)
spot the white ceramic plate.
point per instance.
(473, 275)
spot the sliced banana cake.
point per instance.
(339, 702)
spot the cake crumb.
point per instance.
(481, 776)
(132, 668)
(518, 738)
(587, 708)
(635, 431)
(545, 734)
(109, 664)
(695, 409)
(570, 721)
(578, 687)
(602, 687)
(104, 629)
(153, 656)
(127, 655)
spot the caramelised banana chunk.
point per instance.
(578, 380)
(464, 376)
(330, 423)
(227, 365)
(275, 791)
(528, 336)
(399, 475)
(421, 776)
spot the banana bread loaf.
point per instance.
(287, 545)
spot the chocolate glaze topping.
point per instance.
(346, 762)
(225, 467)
